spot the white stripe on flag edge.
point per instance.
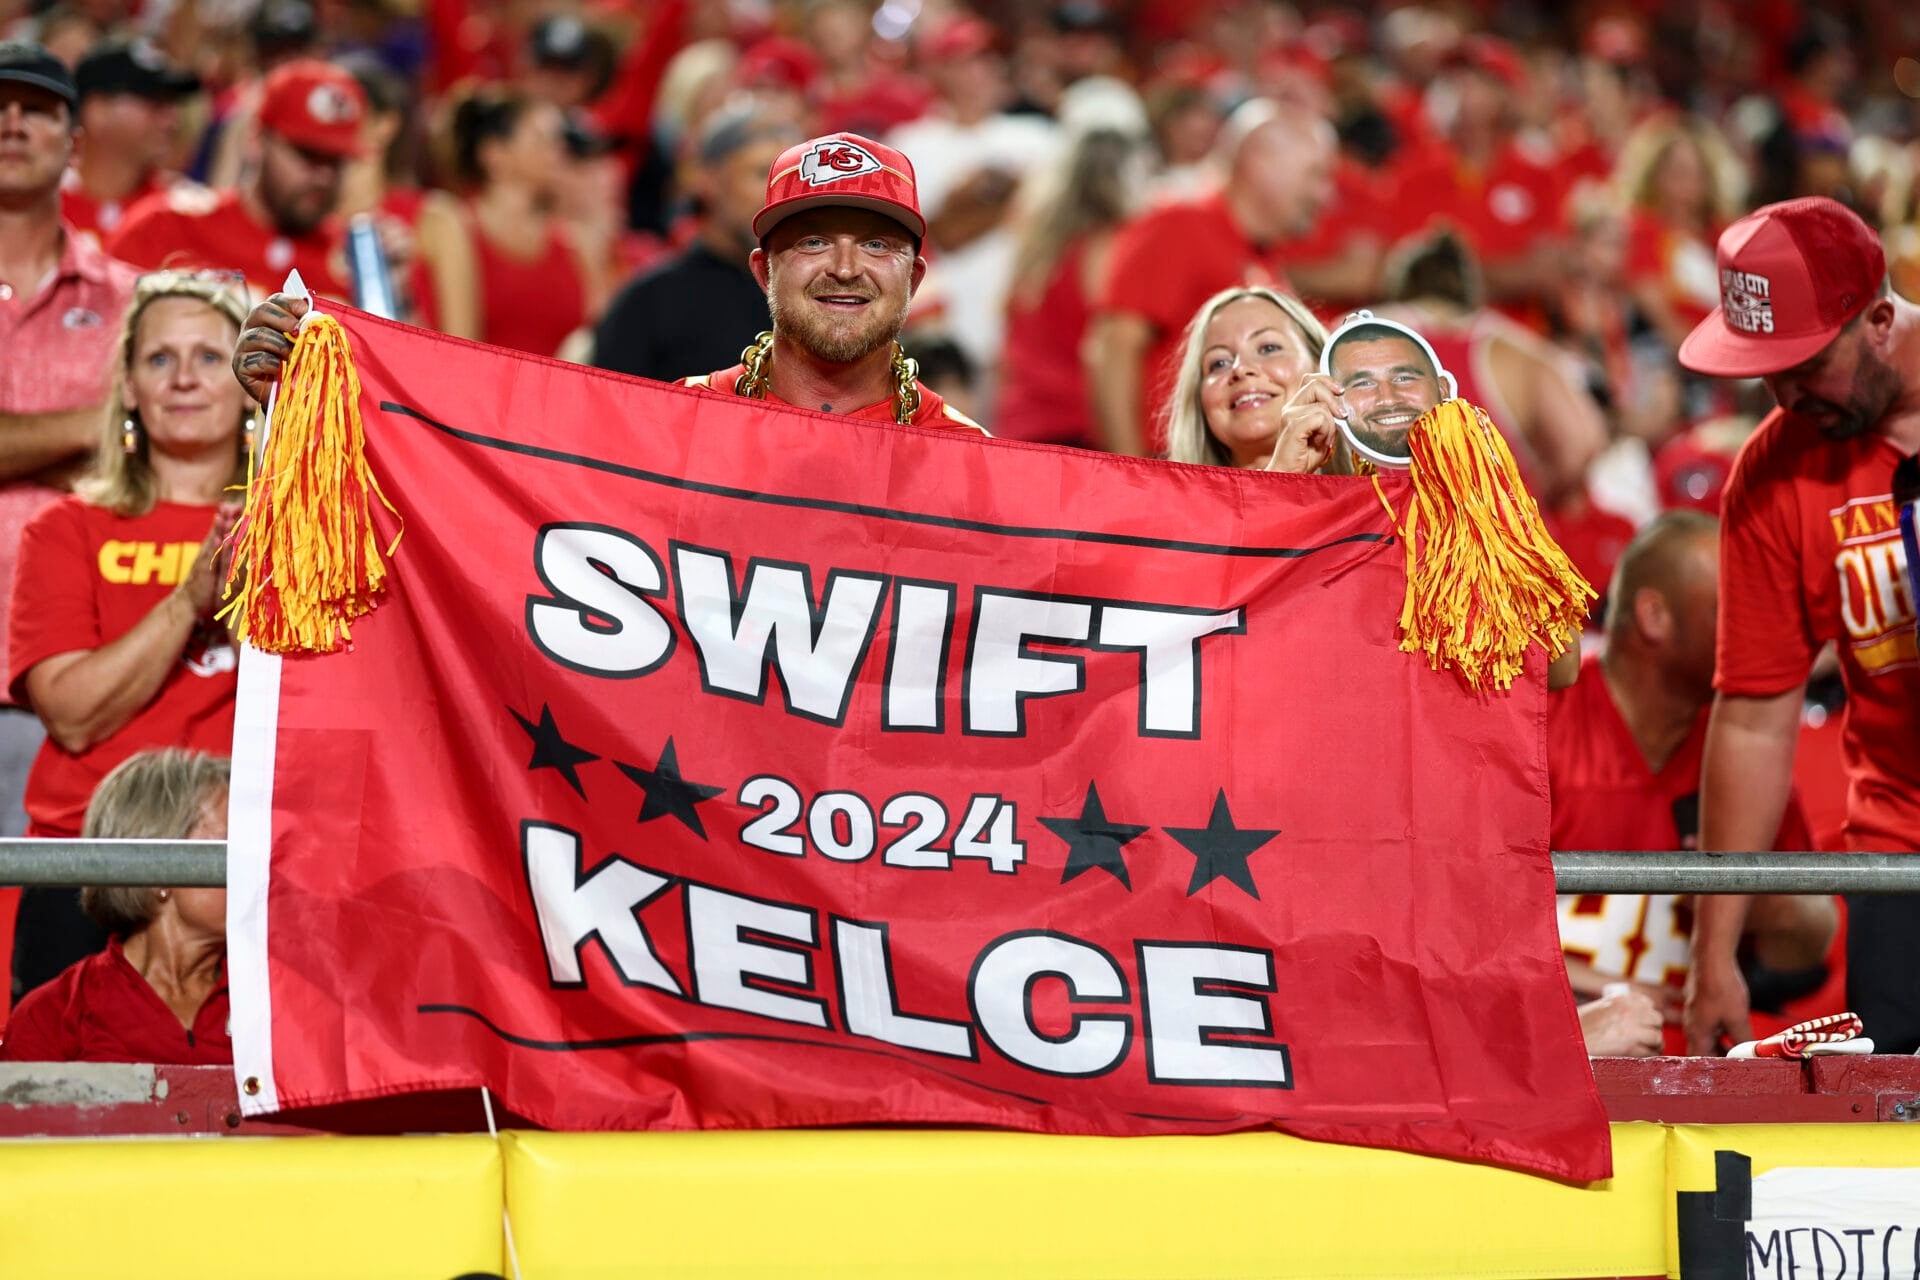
(256, 723)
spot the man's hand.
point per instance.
(266, 343)
(1622, 1023)
(1716, 1007)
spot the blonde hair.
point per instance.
(1188, 439)
(124, 482)
(1646, 149)
(151, 795)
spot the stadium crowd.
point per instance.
(1122, 226)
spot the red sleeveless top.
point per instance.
(1043, 386)
(529, 305)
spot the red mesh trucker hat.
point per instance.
(1791, 276)
(314, 105)
(841, 169)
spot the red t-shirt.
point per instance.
(1681, 265)
(933, 411)
(98, 218)
(1502, 211)
(85, 577)
(195, 228)
(102, 1010)
(1606, 796)
(1044, 395)
(1809, 552)
(1165, 264)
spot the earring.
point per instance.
(130, 436)
(164, 895)
(251, 427)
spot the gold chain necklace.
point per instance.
(757, 360)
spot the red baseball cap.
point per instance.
(841, 169)
(314, 105)
(1791, 276)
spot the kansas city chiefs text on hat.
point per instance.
(607, 615)
(1747, 300)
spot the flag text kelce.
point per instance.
(716, 765)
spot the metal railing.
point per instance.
(204, 863)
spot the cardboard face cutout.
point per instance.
(1391, 377)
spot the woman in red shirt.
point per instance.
(535, 286)
(1676, 178)
(112, 634)
(158, 991)
(1062, 257)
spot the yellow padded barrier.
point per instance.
(934, 1204)
(1690, 1149)
(247, 1208)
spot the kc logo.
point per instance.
(831, 161)
(329, 105)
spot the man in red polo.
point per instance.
(1173, 258)
(283, 217)
(1811, 553)
(61, 301)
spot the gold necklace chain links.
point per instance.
(754, 362)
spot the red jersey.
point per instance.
(1810, 552)
(1165, 264)
(102, 1010)
(1677, 262)
(97, 219)
(1501, 211)
(1606, 796)
(196, 228)
(933, 411)
(529, 304)
(1044, 395)
(85, 577)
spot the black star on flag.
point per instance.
(1093, 840)
(1221, 849)
(551, 751)
(668, 794)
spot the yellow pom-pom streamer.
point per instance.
(1485, 580)
(306, 561)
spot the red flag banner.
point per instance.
(713, 765)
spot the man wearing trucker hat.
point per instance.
(282, 217)
(839, 258)
(1810, 552)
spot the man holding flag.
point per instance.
(839, 258)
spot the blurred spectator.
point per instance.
(157, 992)
(1186, 128)
(535, 286)
(60, 305)
(971, 156)
(1243, 359)
(1677, 181)
(945, 370)
(112, 636)
(1170, 260)
(694, 85)
(1481, 174)
(569, 63)
(1623, 755)
(129, 115)
(66, 32)
(284, 217)
(858, 89)
(700, 309)
(1812, 553)
(1064, 238)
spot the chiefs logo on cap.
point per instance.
(831, 160)
(327, 104)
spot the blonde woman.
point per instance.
(157, 990)
(1678, 182)
(1248, 394)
